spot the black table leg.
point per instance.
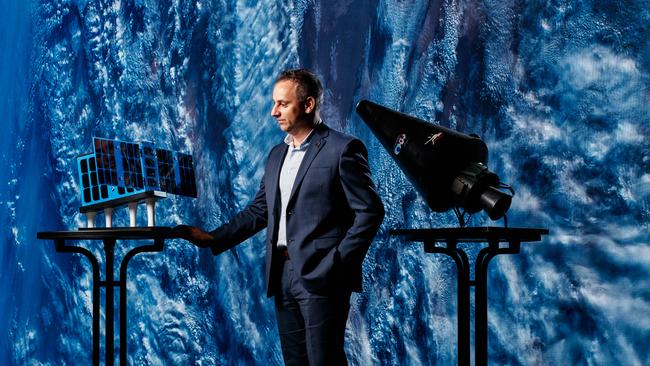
(480, 293)
(62, 248)
(462, 270)
(156, 247)
(109, 249)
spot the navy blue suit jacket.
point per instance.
(333, 213)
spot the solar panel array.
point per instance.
(150, 164)
(120, 169)
(185, 173)
(176, 173)
(92, 191)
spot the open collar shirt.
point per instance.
(288, 174)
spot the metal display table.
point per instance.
(109, 237)
(450, 237)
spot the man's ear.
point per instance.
(310, 105)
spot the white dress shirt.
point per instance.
(288, 174)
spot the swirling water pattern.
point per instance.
(559, 91)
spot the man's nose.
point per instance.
(274, 111)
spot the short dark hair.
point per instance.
(308, 84)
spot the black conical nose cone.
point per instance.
(431, 156)
(404, 137)
(383, 122)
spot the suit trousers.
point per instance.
(311, 326)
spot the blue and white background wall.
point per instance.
(559, 90)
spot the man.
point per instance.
(321, 211)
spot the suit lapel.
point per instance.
(314, 148)
(272, 185)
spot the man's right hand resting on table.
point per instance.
(196, 236)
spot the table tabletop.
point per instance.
(154, 232)
(472, 234)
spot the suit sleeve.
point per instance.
(245, 224)
(362, 199)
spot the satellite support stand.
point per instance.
(151, 211)
(90, 219)
(133, 213)
(132, 202)
(108, 213)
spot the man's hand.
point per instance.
(195, 235)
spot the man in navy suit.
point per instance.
(321, 212)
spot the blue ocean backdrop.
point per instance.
(559, 90)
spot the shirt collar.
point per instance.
(288, 139)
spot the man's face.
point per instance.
(290, 112)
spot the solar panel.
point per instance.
(176, 173)
(141, 166)
(150, 165)
(96, 195)
(186, 181)
(118, 163)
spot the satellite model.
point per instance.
(122, 173)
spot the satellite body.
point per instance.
(121, 173)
